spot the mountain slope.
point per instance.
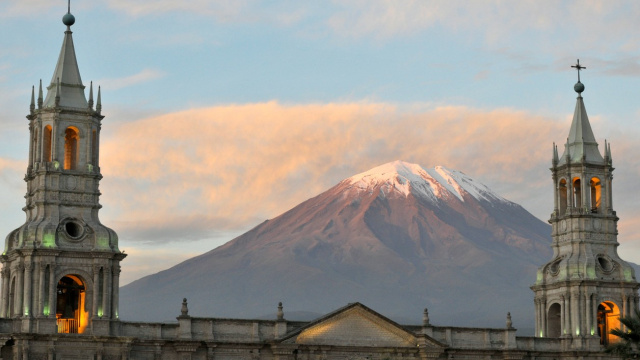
(397, 238)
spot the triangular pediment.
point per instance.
(354, 325)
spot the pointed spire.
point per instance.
(99, 103)
(32, 107)
(91, 96)
(555, 159)
(581, 144)
(609, 154)
(40, 95)
(68, 73)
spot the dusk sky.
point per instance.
(222, 114)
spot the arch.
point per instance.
(596, 194)
(71, 316)
(6, 351)
(608, 319)
(71, 139)
(46, 144)
(562, 191)
(554, 328)
(577, 193)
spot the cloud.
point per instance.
(229, 167)
(118, 83)
(590, 25)
(18, 8)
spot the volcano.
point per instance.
(398, 238)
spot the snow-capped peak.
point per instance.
(437, 182)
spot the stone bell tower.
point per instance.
(61, 267)
(586, 287)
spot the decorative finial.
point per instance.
(91, 96)
(58, 92)
(99, 103)
(32, 107)
(185, 309)
(280, 312)
(68, 19)
(509, 323)
(425, 317)
(40, 95)
(578, 87)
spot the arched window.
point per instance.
(562, 190)
(70, 304)
(46, 144)
(577, 193)
(608, 319)
(554, 329)
(71, 139)
(596, 194)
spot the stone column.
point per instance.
(88, 138)
(52, 290)
(32, 139)
(5, 291)
(40, 140)
(97, 147)
(589, 313)
(96, 291)
(19, 290)
(543, 306)
(116, 291)
(575, 312)
(537, 325)
(106, 293)
(566, 316)
(54, 139)
(42, 267)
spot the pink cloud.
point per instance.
(236, 165)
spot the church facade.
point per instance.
(60, 274)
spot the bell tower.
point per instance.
(586, 286)
(61, 267)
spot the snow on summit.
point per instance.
(435, 183)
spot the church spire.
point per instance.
(71, 88)
(581, 144)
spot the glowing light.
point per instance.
(577, 331)
(49, 241)
(103, 242)
(26, 311)
(100, 313)
(593, 332)
(540, 333)
(46, 311)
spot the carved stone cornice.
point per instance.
(186, 346)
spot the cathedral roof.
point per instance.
(581, 142)
(70, 89)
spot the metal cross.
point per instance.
(578, 67)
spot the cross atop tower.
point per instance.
(576, 66)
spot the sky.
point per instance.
(222, 114)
